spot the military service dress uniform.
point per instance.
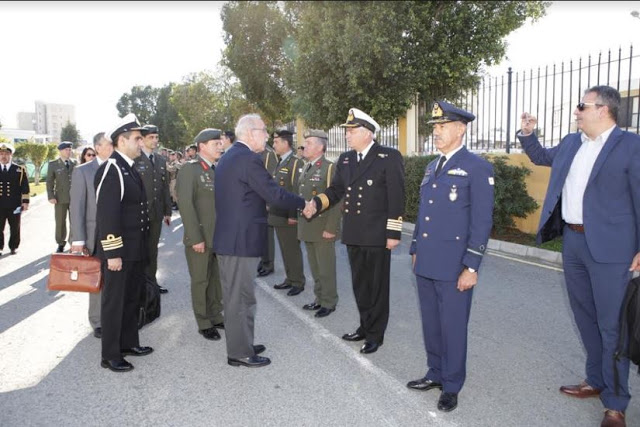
(155, 177)
(321, 253)
(122, 227)
(286, 175)
(373, 193)
(14, 191)
(195, 187)
(454, 222)
(59, 188)
(270, 161)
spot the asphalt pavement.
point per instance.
(523, 345)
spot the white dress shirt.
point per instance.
(579, 172)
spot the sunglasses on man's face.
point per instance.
(582, 105)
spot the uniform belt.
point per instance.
(578, 228)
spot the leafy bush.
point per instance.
(511, 197)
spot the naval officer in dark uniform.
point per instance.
(451, 234)
(196, 190)
(122, 226)
(370, 178)
(14, 196)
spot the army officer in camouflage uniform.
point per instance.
(59, 188)
(320, 233)
(195, 188)
(284, 221)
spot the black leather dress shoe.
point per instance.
(162, 290)
(283, 285)
(136, 351)
(219, 326)
(210, 333)
(353, 337)
(423, 384)
(324, 311)
(448, 401)
(97, 332)
(60, 249)
(259, 348)
(311, 306)
(264, 271)
(295, 291)
(370, 347)
(116, 365)
(249, 362)
(13, 251)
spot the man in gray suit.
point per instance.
(83, 215)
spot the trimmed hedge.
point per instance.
(511, 197)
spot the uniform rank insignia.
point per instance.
(491, 182)
(369, 182)
(285, 170)
(345, 161)
(457, 172)
(453, 195)
(382, 155)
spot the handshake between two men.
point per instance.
(309, 209)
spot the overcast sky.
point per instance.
(89, 53)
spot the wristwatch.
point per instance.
(471, 270)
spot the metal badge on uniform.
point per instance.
(369, 182)
(453, 195)
(457, 172)
(284, 170)
(491, 182)
(382, 155)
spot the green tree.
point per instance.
(255, 34)
(173, 131)
(323, 57)
(70, 133)
(141, 102)
(36, 153)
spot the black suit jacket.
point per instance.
(122, 219)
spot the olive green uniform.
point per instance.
(195, 187)
(59, 188)
(155, 178)
(286, 175)
(321, 252)
(270, 161)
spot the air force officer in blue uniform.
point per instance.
(450, 237)
(593, 201)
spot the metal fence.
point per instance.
(550, 93)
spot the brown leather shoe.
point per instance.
(581, 390)
(613, 419)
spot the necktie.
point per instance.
(151, 158)
(440, 163)
(66, 164)
(4, 168)
(307, 168)
(359, 157)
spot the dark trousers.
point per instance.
(267, 259)
(155, 230)
(596, 291)
(445, 315)
(119, 308)
(370, 267)
(6, 214)
(61, 211)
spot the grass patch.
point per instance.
(516, 236)
(34, 190)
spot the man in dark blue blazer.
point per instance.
(243, 185)
(449, 240)
(593, 201)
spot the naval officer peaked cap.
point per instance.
(443, 112)
(5, 146)
(127, 124)
(207, 135)
(357, 118)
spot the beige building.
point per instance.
(51, 118)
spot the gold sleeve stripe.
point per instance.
(329, 175)
(394, 224)
(394, 228)
(25, 196)
(324, 200)
(111, 243)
